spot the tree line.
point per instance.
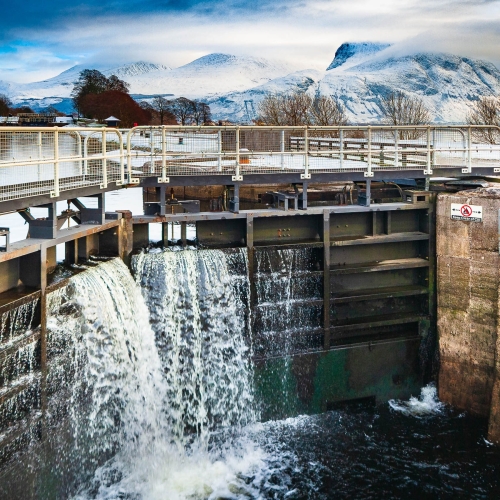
(7, 108)
(98, 97)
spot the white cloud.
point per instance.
(306, 34)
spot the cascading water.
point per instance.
(286, 280)
(197, 308)
(113, 370)
(143, 412)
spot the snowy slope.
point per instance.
(359, 76)
(448, 84)
(202, 77)
(62, 84)
(362, 73)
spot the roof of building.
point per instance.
(112, 119)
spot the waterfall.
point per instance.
(111, 366)
(197, 302)
(158, 383)
(286, 281)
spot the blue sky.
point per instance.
(39, 39)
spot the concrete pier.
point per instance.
(468, 309)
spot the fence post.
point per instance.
(282, 149)
(122, 163)
(341, 147)
(104, 184)
(163, 179)
(468, 170)
(396, 146)
(39, 154)
(85, 155)
(55, 193)
(237, 176)
(219, 150)
(151, 148)
(369, 172)
(428, 170)
(129, 158)
(306, 174)
(79, 152)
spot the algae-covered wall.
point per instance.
(467, 286)
(313, 382)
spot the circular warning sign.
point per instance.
(466, 210)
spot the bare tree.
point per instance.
(327, 111)
(161, 106)
(182, 108)
(201, 113)
(400, 109)
(271, 111)
(285, 109)
(206, 113)
(486, 111)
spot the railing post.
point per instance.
(468, 170)
(219, 150)
(282, 149)
(163, 179)
(396, 147)
(39, 154)
(428, 170)
(151, 148)
(79, 152)
(306, 174)
(104, 184)
(433, 154)
(129, 158)
(55, 193)
(85, 155)
(237, 176)
(369, 172)
(341, 147)
(121, 182)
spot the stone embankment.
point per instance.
(468, 266)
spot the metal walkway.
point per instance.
(38, 165)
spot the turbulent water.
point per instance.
(197, 309)
(159, 380)
(164, 403)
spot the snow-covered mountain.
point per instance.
(204, 76)
(362, 73)
(350, 54)
(359, 76)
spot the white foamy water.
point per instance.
(170, 410)
(427, 404)
(196, 300)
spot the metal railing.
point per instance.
(48, 161)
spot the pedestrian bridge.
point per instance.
(46, 164)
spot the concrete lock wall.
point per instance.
(468, 305)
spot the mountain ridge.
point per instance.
(360, 74)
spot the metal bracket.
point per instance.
(237, 178)
(465, 171)
(163, 180)
(496, 170)
(134, 181)
(53, 194)
(305, 176)
(368, 174)
(428, 172)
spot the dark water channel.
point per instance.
(365, 452)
